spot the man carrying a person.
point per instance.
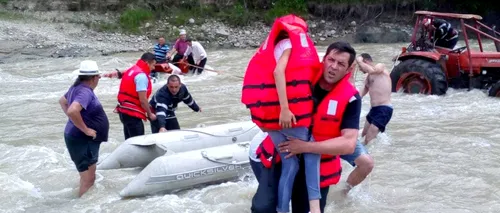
(335, 129)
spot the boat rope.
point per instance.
(204, 155)
(213, 135)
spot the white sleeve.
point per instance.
(188, 51)
(281, 47)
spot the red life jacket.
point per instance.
(267, 153)
(326, 125)
(128, 98)
(259, 92)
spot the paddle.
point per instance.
(204, 68)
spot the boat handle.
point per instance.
(188, 137)
(235, 129)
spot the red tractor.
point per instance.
(429, 69)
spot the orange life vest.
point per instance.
(259, 92)
(326, 125)
(128, 98)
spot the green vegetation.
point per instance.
(132, 19)
(10, 15)
(244, 12)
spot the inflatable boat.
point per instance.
(139, 151)
(184, 170)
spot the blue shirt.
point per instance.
(161, 53)
(141, 82)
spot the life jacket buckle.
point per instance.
(258, 104)
(295, 100)
(262, 86)
(294, 83)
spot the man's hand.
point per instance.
(152, 116)
(163, 129)
(293, 146)
(199, 110)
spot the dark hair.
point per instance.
(148, 57)
(367, 57)
(173, 78)
(83, 78)
(281, 35)
(188, 40)
(342, 47)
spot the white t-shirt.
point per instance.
(281, 47)
(254, 144)
(197, 50)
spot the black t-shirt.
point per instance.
(352, 112)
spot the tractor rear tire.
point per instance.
(495, 90)
(424, 76)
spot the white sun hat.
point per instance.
(88, 67)
(182, 32)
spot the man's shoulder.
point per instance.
(355, 97)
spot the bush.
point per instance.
(131, 19)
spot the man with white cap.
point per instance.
(180, 48)
(87, 124)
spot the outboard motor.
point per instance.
(496, 35)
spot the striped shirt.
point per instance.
(161, 53)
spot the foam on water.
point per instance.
(422, 163)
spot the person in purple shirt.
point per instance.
(87, 125)
(179, 48)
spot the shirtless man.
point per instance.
(378, 84)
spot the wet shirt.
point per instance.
(352, 112)
(165, 103)
(161, 53)
(181, 46)
(92, 113)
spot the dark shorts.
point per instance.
(380, 116)
(83, 152)
(358, 151)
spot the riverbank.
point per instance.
(36, 34)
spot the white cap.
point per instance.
(88, 67)
(182, 32)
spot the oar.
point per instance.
(207, 69)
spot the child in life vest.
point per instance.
(290, 166)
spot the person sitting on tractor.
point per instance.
(444, 35)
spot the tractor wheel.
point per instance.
(495, 90)
(419, 76)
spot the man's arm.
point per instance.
(378, 68)
(141, 85)
(279, 77)
(189, 100)
(365, 88)
(162, 102)
(64, 104)
(344, 144)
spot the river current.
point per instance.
(439, 154)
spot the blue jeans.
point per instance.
(358, 151)
(290, 168)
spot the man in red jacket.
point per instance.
(135, 89)
(338, 105)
